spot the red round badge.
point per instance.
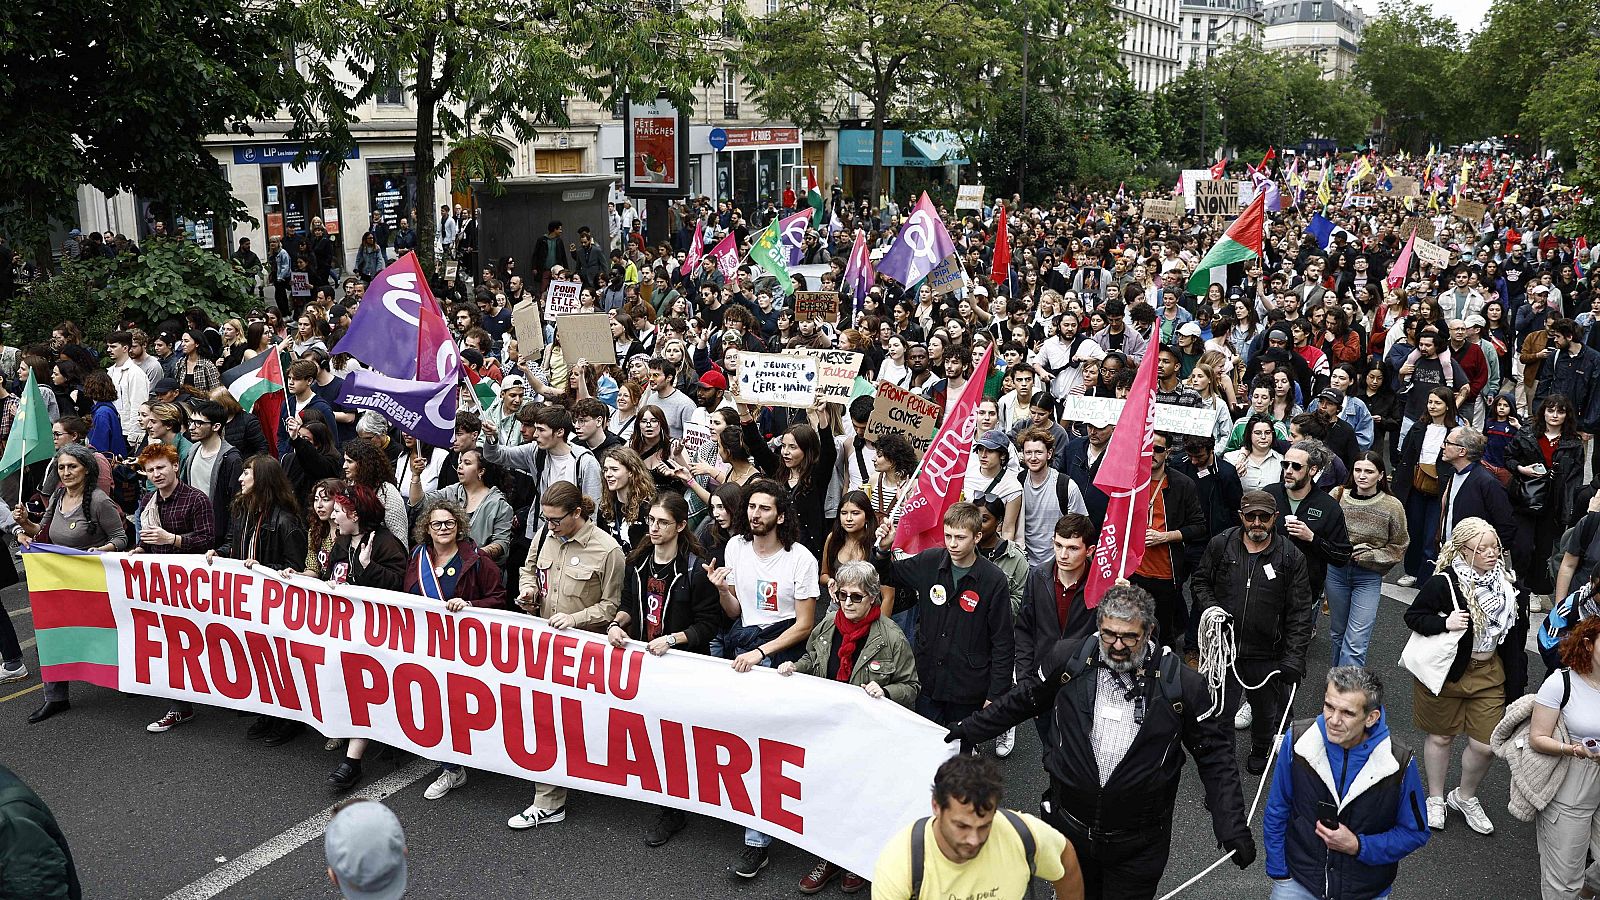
(969, 600)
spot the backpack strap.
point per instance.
(1566, 688)
(919, 852)
(1029, 845)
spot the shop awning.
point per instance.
(936, 148)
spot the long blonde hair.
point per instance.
(641, 487)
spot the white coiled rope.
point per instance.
(1218, 653)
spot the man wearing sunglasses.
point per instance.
(1259, 578)
(1311, 518)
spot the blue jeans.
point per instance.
(1422, 520)
(1289, 889)
(1353, 597)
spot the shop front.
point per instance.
(913, 161)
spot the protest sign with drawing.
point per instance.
(776, 379)
(897, 410)
(836, 372)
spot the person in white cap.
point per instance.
(366, 851)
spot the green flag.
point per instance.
(30, 440)
(767, 251)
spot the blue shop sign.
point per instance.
(278, 154)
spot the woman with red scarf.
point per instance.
(857, 645)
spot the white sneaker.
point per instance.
(533, 815)
(447, 781)
(13, 673)
(1472, 809)
(1006, 743)
(1407, 581)
(1244, 717)
(1436, 813)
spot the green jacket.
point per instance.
(885, 658)
(1011, 559)
(35, 863)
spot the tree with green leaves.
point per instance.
(481, 72)
(1520, 42)
(121, 94)
(1407, 63)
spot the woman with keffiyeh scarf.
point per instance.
(1472, 593)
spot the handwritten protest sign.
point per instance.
(529, 329)
(836, 372)
(969, 196)
(1422, 225)
(810, 305)
(695, 437)
(777, 379)
(1470, 211)
(495, 691)
(948, 276)
(587, 336)
(1169, 417)
(1402, 186)
(1216, 198)
(562, 297)
(1163, 210)
(1431, 253)
(897, 410)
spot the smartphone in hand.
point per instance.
(1328, 814)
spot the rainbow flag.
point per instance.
(72, 616)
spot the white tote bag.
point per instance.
(1429, 656)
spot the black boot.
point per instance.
(50, 708)
(260, 728)
(283, 731)
(346, 776)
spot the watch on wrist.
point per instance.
(672, 640)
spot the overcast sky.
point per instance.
(1467, 13)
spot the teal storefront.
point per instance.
(913, 160)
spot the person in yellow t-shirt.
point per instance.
(971, 848)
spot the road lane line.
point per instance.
(253, 861)
(22, 692)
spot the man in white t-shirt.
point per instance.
(132, 383)
(768, 583)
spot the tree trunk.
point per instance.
(877, 153)
(427, 99)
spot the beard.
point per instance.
(1132, 663)
(761, 528)
(1259, 535)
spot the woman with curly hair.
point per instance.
(365, 465)
(892, 468)
(626, 491)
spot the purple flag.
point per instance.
(792, 235)
(858, 274)
(426, 410)
(1274, 197)
(383, 334)
(919, 247)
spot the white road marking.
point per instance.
(253, 861)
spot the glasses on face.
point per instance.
(445, 525)
(556, 522)
(1120, 638)
(56, 432)
(198, 423)
(1159, 449)
(850, 598)
(1489, 550)
(1257, 517)
(1293, 466)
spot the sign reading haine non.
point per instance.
(496, 691)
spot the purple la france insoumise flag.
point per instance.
(383, 334)
(858, 274)
(792, 235)
(426, 410)
(920, 246)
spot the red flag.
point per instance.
(1503, 185)
(1272, 154)
(1124, 476)
(437, 356)
(1402, 265)
(1219, 168)
(921, 522)
(1000, 270)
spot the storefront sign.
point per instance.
(902, 411)
(777, 379)
(278, 154)
(657, 137)
(750, 138)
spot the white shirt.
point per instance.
(768, 587)
(133, 388)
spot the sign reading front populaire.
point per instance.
(656, 135)
(278, 154)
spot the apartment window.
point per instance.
(391, 95)
(730, 93)
(1316, 11)
(772, 6)
(1194, 32)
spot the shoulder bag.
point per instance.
(1429, 656)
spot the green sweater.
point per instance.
(1377, 527)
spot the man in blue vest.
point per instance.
(1346, 803)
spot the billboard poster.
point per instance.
(657, 136)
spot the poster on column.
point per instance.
(495, 691)
(777, 379)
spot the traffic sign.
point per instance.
(718, 138)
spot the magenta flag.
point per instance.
(726, 253)
(792, 234)
(1124, 477)
(437, 356)
(939, 478)
(858, 274)
(697, 249)
(1402, 265)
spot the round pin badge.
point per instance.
(969, 600)
(937, 595)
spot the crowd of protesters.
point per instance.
(1434, 423)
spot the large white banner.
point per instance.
(799, 758)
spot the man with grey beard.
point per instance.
(1114, 768)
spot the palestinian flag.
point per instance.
(1241, 242)
(484, 390)
(72, 616)
(260, 385)
(813, 197)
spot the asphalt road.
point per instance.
(200, 812)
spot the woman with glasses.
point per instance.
(1471, 594)
(857, 645)
(448, 568)
(1418, 480)
(1545, 460)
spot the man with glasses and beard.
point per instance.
(1258, 577)
(1114, 777)
(1312, 519)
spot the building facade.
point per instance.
(1207, 27)
(1325, 31)
(1149, 49)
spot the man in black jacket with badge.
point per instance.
(1309, 515)
(1128, 709)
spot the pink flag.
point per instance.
(858, 273)
(726, 253)
(1402, 265)
(697, 249)
(1125, 479)
(944, 466)
(437, 356)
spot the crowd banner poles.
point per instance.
(799, 758)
